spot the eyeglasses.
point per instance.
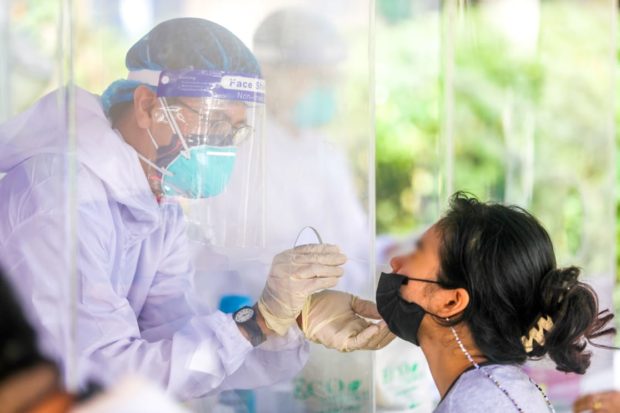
(217, 132)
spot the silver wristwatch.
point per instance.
(245, 317)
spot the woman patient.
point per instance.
(480, 295)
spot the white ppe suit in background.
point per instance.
(308, 182)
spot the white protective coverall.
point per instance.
(136, 309)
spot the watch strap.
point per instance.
(253, 329)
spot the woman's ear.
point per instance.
(144, 99)
(449, 303)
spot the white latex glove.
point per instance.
(296, 274)
(338, 320)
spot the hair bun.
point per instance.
(573, 306)
(556, 286)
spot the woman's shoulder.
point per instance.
(474, 391)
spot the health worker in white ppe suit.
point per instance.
(170, 131)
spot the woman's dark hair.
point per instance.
(504, 258)
(18, 341)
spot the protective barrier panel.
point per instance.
(155, 157)
(206, 136)
(508, 101)
(37, 179)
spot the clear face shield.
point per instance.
(213, 160)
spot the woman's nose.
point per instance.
(396, 263)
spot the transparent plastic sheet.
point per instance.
(223, 134)
(37, 251)
(409, 173)
(528, 139)
(316, 171)
(319, 147)
(542, 160)
(524, 111)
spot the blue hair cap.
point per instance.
(182, 43)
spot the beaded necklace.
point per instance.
(495, 381)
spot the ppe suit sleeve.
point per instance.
(171, 305)
(192, 361)
(188, 354)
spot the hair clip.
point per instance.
(537, 333)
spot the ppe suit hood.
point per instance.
(43, 129)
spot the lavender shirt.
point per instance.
(474, 392)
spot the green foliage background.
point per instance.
(558, 98)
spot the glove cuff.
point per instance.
(305, 317)
(278, 325)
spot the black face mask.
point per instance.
(402, 317)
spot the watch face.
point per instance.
(244, 314)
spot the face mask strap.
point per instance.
(153, 141)
(175, 126)
(415, 279)
(152, 165)
(148, 161)
(422, 280)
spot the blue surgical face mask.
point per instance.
(316, 108)
(202, 173)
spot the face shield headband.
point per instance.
(200, 159)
